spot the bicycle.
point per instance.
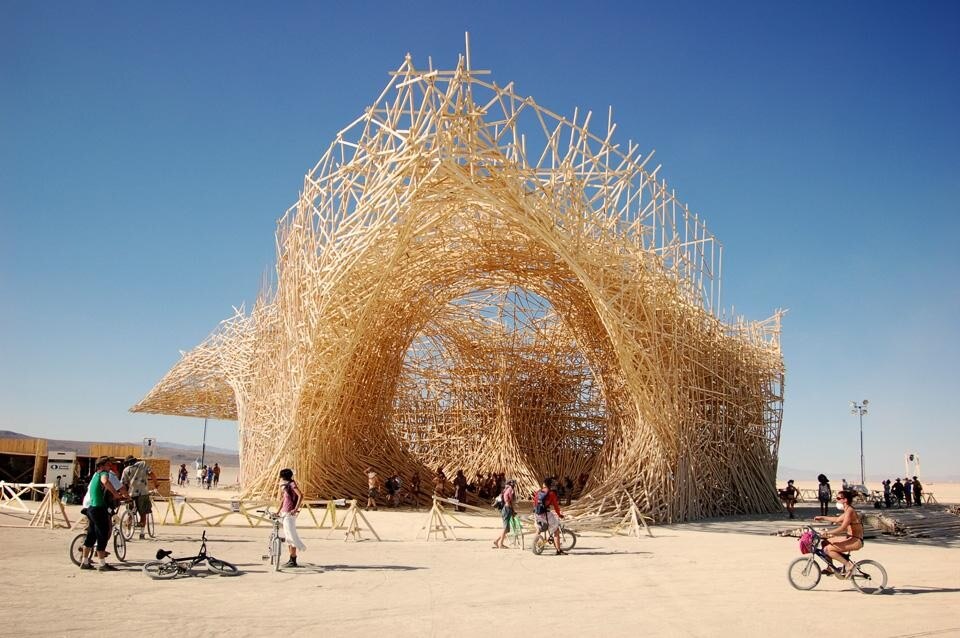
(868, 576)
(544, 539)
(161, 569)
(275, 544)
(119, 542)
(130, 520)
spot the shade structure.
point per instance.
(469, 280)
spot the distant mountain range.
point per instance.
(176, 452)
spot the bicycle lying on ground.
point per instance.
(275, 544)
(119, 542)
(161, 569)
(130, 520)
(868, 576)
(544, 539)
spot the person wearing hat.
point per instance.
(138, 478)
(97, 510)
(507, 497)
(917, 492)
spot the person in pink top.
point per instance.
(290, 499)
(507, 497)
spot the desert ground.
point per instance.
(721, 577)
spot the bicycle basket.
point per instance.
(806, 542)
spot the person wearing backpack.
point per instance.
(546, 507)
(824, 494)
(506, 508)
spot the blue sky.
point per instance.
(147, 150)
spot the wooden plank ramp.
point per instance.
(933, 522)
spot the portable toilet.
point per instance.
(60, 469)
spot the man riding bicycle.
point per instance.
(849, 533)
(546, 507)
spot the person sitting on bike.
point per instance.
(849, 533)
(546, 507)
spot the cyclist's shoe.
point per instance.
(106, 567)
(86, 566)
(560, 552)
(141, 536)
(290, 563)
(828, 571)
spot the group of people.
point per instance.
(105, 491)
(483, 487)
(909, 492)
(207, 475)
(546, 510)
(903, 492)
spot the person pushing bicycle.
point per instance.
(546, 507)
(850, 531)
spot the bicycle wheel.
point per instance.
(119, 546)
(221, 567)
(568, 540)
(151, 530)
(76, 549)
(127, 522)
(161, 569)
(804, 573)
(539, 543)
(869, 577)
(276, 550)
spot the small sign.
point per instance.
(179, 500)
(149, 448)
(235, 506)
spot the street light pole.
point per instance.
(203, 446)
(860, 409)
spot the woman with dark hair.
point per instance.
(823, 494)
(290, 499)
(849, 532)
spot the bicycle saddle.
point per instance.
(163, 553)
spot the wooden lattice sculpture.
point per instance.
(469, 280)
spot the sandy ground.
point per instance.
(715, 578)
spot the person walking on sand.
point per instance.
(917, 492)
(789, 497)
(507, 497)
(216, 474)
(886, 493)
(290, 500)
(209, 477)
(460, 489)
(908, 491)
(824, 494)
(373, 485)
(415, 489)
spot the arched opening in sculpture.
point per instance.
(497, 383)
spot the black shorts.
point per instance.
(99, 529)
